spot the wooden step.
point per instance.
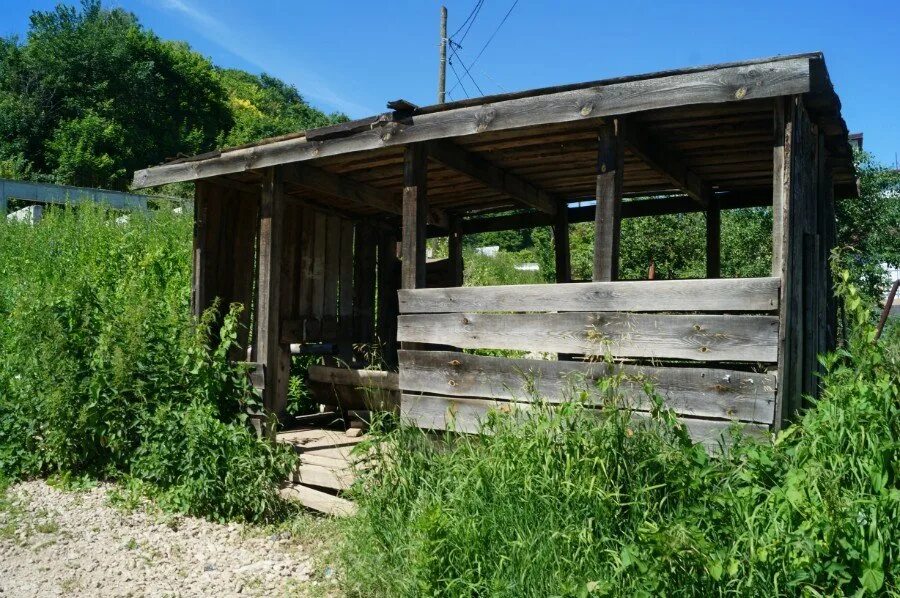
(318, 500)
(324, 477)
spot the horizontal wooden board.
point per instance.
(323, 477)
(465, 416)
(701, 337)
(724, 294)
(692, 391)
(354, 377)
(318, 500)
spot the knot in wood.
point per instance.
(451, 382)
(740, 93)
(465, 320)
(587, 108)
(484, 118)
(456, 363)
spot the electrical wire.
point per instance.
(472, 14)
(484, 47)
(453, 51)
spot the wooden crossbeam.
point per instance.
(456, 158)
(353, 191)
(655, 153)
(630, 209)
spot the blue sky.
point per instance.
(353, 56)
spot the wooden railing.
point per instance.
(709, 347)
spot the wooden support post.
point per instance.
(780, 176)
(455, 251)
(415, 213)
(713, 240)
(272, 354)
(561, 248)
(608, 213)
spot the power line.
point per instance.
(491, 38)
(471, 17)
(459, 82)
(453, 47)
(487, 43)
(472, 22)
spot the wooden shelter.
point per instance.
(322, 234)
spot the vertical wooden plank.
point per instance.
(713, 239)
(307, 263)
(388, 302)
(243, 261)
(271, 353)
(608, 217)
(332, 267)
(317, 308)
(199, 300)
(561, 247)
(455, 251)
(826, 227)
(364, 283)
(780, 173)
(415, 216)
(345, 292)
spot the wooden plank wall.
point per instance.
(225, 228)
(709, 346)
(329, 270)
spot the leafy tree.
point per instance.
(264, 106)
(91, 95)
(870, 225)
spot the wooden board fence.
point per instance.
(711, 363)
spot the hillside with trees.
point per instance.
(90, 95)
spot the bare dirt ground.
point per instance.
(67, 543)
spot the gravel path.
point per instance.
(61, 543)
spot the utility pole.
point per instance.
(442, 71)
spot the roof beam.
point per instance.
(711, 85)
(456, 158)
(663, 159)
(355, 192)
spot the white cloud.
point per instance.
(310, 84)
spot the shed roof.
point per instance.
(709, 125)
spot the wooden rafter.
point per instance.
(456, 158)
(353, 191)
(663, 159)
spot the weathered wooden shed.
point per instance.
(322, 235)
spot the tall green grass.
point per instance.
(104, 372)
(563, 502)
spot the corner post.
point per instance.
(272, 354)
(608, 216)
(561, 249)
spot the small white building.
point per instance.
(489, 251)
(29, 215)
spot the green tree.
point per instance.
(264, 106)
(91, 95)
(870, 225)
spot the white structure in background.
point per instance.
(123, 220)
(30, 215)
(527, 267)
(489, 251)
(429, 253)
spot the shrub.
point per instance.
(571, 502)
(105, 372)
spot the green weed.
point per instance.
(106, 375)
(570, 502)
